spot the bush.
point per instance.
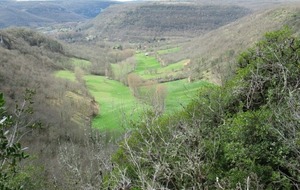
(11, 152)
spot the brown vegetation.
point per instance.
(149, 92)
(213, 54)
(33, 14)
(73, 155)
(64, 108)
(158, 21)
(134, 83)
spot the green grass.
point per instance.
(169, 50)
(145, 64)
(115, 101)
(66, 75)
(149, 68)
(174, 67)
(180, 93)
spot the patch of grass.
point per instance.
(180, 93)
(116, 103)
(167, 51)
(145, 64)
(66, 75)
(175, 66)
(156, 71)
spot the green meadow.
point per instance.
(145, 64)
(162, 72)
(117, 104)
(148, 67)
(168, 50)
(66, 74)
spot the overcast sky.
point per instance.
(76, 0)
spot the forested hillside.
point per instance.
(213, 54)
(60, 110)
(41, 13)
(148, 21)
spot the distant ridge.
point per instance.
(159, 20)
(40, 13)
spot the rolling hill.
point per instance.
(160, 20)
(27, 62)
(40, 13)
(214, 53)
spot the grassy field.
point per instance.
(167, 71)
(66, 74)
(169, 50)
(149, 68)
(180, 93)
(117, 104)
(145, 64)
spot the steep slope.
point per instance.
(161, 20)
(39, 13)
(14, 17)
(27, 62)
(213, 53)
(239, 136)
(253, 4)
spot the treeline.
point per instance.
(101, 55)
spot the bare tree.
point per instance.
(79, 74)
(84, 165)
(134, 82)
(158, 98)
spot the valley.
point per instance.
(149, 94)
(118, 103)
